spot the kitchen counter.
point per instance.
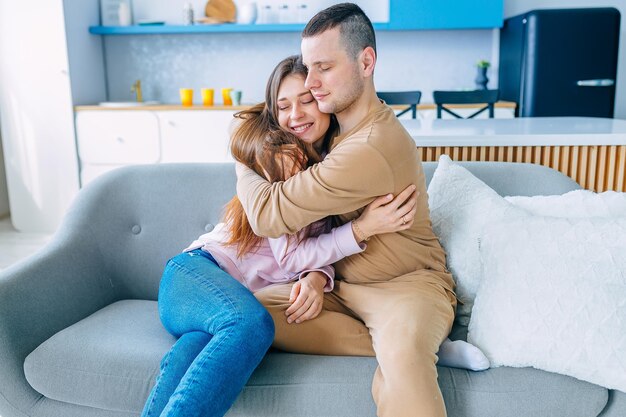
(592, 151)
(160, 107)
(536, 131)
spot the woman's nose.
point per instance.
(296, 111)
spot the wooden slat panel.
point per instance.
(583, 159)
(528, 155)
(545, 159)
(597, 168)
(483, 152)
(501, 150)
(556, 157)
(610, 171)
(602, 168)
(574, 163)
(537, 155)
(437, 153)
(592, 168)
(564, 161)
(621, 169)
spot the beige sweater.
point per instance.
(376, 157)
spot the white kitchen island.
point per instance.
(592, 151)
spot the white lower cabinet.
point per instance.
(195, 136)
(111, 139)
(118, 137)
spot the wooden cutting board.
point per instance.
(221, 10)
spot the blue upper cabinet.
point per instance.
(403, 15)
(445, 14)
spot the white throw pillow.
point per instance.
(460, 207)
(554, 297)
(578, 203)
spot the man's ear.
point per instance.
(368, 61)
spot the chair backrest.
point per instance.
(488, 97)
(410, 98)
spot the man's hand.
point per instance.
(307, 297)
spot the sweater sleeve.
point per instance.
(327, 270)
(295, 254)
(350, 177)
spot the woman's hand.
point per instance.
(387, 215)
(307, 297)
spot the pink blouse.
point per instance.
(283, 259)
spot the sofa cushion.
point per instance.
(575, 204)
(460, 207)
(107, 360)
(561, 282)
(110, 360)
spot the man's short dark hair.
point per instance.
(355, 27)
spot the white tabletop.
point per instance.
(525, 131)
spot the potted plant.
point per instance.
(481, 79)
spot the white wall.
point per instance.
(4, 196)
(515, 7)
(416, 60)
(420, 60)
(36, 114)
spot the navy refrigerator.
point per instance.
(560, 62)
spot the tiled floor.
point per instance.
(15, 245)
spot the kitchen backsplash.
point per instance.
(407, 60)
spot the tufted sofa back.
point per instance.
(138, 217)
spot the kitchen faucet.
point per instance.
(136, 88)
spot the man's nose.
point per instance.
(311, 81)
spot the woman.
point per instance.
(223, 331)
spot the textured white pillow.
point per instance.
(578, 203)
(460, 206)
(554, 297)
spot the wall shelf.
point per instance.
(221, 28)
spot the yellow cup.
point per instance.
(186, 96)
(226, 96)
(207, 96)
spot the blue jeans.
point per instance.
(223, 333)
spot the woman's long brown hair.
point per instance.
(261, 144)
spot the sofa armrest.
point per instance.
(49, 291)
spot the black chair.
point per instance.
(410, 98)
(488, 97)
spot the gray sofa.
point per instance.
(80, 334)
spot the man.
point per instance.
(398, 287)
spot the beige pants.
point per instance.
(402, 322)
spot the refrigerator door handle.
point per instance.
(603, 82)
